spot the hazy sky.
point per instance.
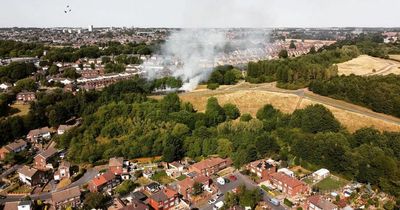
(201, 13)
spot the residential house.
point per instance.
(63, 171)
(25, 96)
(38, 134)
(103, 182)
(164, 199)
(317, 202)
(287, 184)
(68, 197)
(18, 205)
(30, 176)
(139, 195)
(43, 159)
(16, 146)
(133, 204)
(176, 166)
(153, 187)
(286, 171)
(262, 168)
(5, 86)
(321, 174)
(210, 166)
(185, 187)
(115, 165)
(63, 128)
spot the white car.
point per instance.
(211, 201)
(221, 180)
(218, 205)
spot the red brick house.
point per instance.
(288, 185)
(164, 199)
(185, 187)
(317, 202)
(210, 166)
(103, 182)
(262, 168)
(115, 165)
(42, 160)
(69, 197)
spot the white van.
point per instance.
(221, 180)
(218, 205)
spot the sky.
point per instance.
(200, 13)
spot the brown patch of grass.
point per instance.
(365, 65)
(147, 159)
(23, 109)
(63, 183)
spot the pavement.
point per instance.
(241, 179)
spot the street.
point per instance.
(241, 179)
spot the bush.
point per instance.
(213, 86)
(288, 202)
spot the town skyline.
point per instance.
(189, 14)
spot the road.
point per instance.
(90, 174)
(241, 179)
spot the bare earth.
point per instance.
(251, 97)
(365, 65)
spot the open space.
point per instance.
(330, 183)
(367, 65)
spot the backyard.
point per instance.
(330, 183)
(162, 177)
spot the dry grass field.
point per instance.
(23, 109)
(395, 57)
(251, 97)
(367, 65)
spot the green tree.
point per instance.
(283, 54)
(53, 70)
(246, 117)
(95, 200)
(231, 111)
(197, 188)
(214, 112)
(224, 148)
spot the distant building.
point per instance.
(90, 28)
(25, 96)
(210, 166)
(68, 197)
(16, 146)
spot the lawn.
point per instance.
(23, 109)
(63, 183)
(330, 183)
(162, 177)
(142, 181)
(181, 177)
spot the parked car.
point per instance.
(232, 178)
(221, 180)
(219, 194)
(218, 205)
(211, 201)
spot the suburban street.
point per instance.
(241, 179)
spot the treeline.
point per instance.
(223, 75)
(379, 93)
(298, 72)
(16, 71)
(9, 48)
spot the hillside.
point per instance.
(250, 97)
(365, 65)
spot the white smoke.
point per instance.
(194, 50)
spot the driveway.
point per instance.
(241, 179)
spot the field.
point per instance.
(395, 57)
(251, 97)
(23, 109)
(367, 65)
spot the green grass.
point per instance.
(330, 183)
(161, 177)
(181, 177)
